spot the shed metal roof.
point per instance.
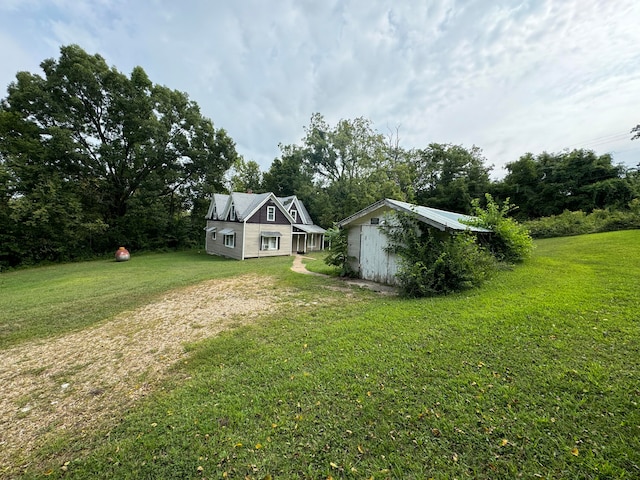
(440, 219)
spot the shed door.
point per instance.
(375, 263)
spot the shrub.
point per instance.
(579, 223)
(510, 241)
(433, 262)
(337, 252)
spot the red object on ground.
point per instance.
(122, 255)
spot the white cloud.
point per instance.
(508, 76)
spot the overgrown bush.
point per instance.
(433, 262)
(510, 241)
(337, 252)
(579, 223)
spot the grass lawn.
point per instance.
(56, 299)
(534, 375)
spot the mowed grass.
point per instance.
(535, 376)
(47, 301)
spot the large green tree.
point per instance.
(549, 183)
(115, 154)
(350, 166)
(449, 177)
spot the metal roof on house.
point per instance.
(246, 203)
(310, 228)
(303, 214)
(440, 219)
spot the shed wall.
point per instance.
(366, 245)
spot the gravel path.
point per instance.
(90, 378)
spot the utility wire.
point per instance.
(596, 142)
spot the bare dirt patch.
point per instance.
(79, 381)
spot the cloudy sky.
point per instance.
(510, 76)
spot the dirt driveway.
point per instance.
(76, 382)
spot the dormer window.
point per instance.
(232, 214)
(294, 214)
(271, 214)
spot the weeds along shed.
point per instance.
(367, 243)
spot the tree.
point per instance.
(289, 174)
(133, 155)
(549, 183)
(450, 176)
(245, 176)
(636, 132)
(344, 168)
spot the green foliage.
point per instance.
(510, 241)
(245, 176)
(338, 170)
(449, 176)
(550, 183)
(337, 253)
(434, 262)
(534, 375)
(579, 223)
(85, 149)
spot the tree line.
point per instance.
(91, 159)
(338, 170)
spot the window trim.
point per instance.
(269, 243)
(271, 213)
(225, 241)
(294, 214)
(232, 213)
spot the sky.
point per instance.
(508, 76)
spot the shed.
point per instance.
(367, 243)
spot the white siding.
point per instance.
(376, 263)
(216, 247)
(253, 240)
(366, 249)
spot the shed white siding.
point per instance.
(366, 249)
(376, 263)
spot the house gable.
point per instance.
(294, 204)
(217, 206)
(271, 212)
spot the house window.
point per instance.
(294, 214)
(229, 240)
(270, 240)
(375, 221)
(211, 231)
(270, 243)
(271, 214)
(232, 213)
